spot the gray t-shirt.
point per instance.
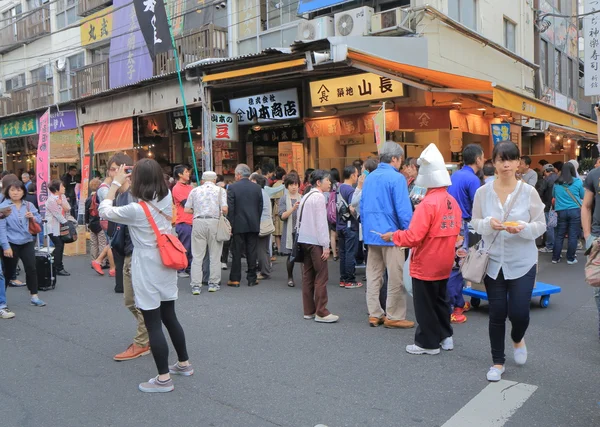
(592, 183)
(531, 177)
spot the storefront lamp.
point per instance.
(558, 137)
(482, 109)
(457, 102)
(256, 128)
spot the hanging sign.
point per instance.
(422, 118)
(223, 126)
(356, 88)
(152, 17)
(15, 128)
(500, 132)
(379, 123)
(591, 30)
(267, 107)
(178, 119)
(63, 120)
(97, 27)
(42, 166)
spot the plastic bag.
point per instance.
(406, 276)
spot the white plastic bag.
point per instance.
(406, 276)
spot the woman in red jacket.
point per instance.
(432, 236)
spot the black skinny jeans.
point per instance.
(154, 319)
(59, 248)
(25, 253)
(508, 298)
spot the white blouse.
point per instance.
(515, 254)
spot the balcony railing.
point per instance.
(90, 80)
(208, 42)
(5, 106)
(36, 95)
(87, 7)
(8, 38)
(34, 25)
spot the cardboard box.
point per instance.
(80, 246)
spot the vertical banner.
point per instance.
(379, 121)
(86, 170)
(152, 17)
(43, 162)
(591, 30)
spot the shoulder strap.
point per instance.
(168, 218)
(302, 210)
(572, 197)
(150, 219)
(510, 206)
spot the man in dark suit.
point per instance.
(245, 202)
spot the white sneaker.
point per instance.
(223, 266)
(415, 349)
(447, 344)
(5, 313)
(495, 374)
(331, 318)
(183, 274)
(213, 287)
(520, 355)
(196, 290)
(572, 262)
(309, 316)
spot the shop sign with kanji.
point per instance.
(268, 107)
(178, 119)
(224, 126)
(591, 35)
(357, 88)
(97, 27)
(500, 132)
(18, 127)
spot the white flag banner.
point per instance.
(591, 34)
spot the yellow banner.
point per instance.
(379, 121)
(532, 108)
(357, 88)
(97, 27)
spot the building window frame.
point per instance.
(65, 83)
(459, 10)
(558, 84)
(544, 55)
(15, 82)
(510, 40)
(571, 78)
(66, 13)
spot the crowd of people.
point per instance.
(390, 213)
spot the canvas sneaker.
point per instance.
(495, 374)
(5, 313)
(156, 386)
(37, 302)
(177, 369)
(330, 318)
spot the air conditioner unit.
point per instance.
(315, 29)
(392, 22)
(354, 22)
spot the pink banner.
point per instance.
(43, 162)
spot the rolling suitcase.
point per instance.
(44, 264)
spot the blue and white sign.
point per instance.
(307, 6)
(500, 132)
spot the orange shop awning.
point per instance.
(116, 135)
(421, 76)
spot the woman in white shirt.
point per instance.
(154, 285)
(313, 236)
(510, 239)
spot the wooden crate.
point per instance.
(80, 246)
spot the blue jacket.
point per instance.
(15, 227)
(464, 186)
(384, 204)
(562, 199)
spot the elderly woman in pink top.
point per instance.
(313, 236)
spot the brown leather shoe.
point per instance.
(234, 284)
(133, 352)
(398, 324)
(376, 321)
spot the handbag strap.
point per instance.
(572, 196)
(302, 210)
(150, 219)
(510, 206)
(167, 217)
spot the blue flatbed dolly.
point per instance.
(543, 290)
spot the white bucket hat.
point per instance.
(432, 171)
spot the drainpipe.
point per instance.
(537, 41)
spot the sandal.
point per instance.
(291, 283)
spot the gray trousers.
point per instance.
(264, 255)
(206, 250)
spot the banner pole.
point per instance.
(185, 109)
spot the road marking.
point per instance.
(493, 406)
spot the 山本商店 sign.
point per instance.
(15, 128)
(356, 88)
(224, 126)
(267, 107)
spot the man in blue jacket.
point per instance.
(385, 206)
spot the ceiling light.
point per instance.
(198, 133)
(256, 128)
(558, 137)
(456, 102)
(481, 109)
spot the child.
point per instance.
(432, 235)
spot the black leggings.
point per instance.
(154, 319)
(290, 267)
(26, 253)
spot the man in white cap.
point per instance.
(432, 235)
(207, 203)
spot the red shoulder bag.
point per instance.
(172, 252)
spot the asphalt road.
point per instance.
(258, 363)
